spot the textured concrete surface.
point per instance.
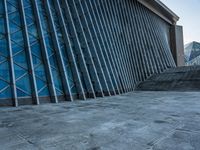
(185, 78)
(134, 121)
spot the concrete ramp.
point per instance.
(185, 78)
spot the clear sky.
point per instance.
(189, 13)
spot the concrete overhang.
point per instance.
(161, 10)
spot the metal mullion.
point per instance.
(89, 38)
(166, 59)
(122, 25)
(136, 46)
(109, 44)
(58, 53)
(132, 48)
(13, 83)
(118, 8)
(70, 52)
(104, 56)
(83, 41)
(122, 45)
(103, 79)
(141, 46)
(146, 38)
(155, 43)
(142, 38)
(114, 55)
(83, 68)
(28, 54)
(161, 44)
(154, 53)
(116, 39)
(44, 52)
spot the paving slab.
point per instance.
(133, 121)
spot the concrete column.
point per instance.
(177, 46)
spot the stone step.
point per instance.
(175, 79)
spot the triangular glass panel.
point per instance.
(33, 30)
(49, 51)
(36, 60)
(6, 93)
(16, 48)
(73, 90)
(15, 17)
(2, 58)
(13, 27)
(35, 48)
(14, 3)
(40, 83)
(69, 73)
(58, 93)
(1, 36)
(29, 21)
(44, 92)
(40, 71)
(5, 71)
(19, 71)
(20, 59)
(26, 3)
(2, 25)
(28, 11)
(21, 93)
(3, 47)
(11, 8)
(17, 37)
(48, 41)
(32, 39)
(52, 60)
(3, 84)
(24, 84)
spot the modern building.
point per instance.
(64, 50)
(192, 53)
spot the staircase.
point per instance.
(185, 78)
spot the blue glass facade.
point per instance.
(59, 50)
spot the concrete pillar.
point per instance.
(177, 45)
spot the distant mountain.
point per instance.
(192, 53)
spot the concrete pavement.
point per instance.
(134, 121)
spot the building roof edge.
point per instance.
(161, 10)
